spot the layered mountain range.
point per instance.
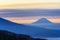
(30, 30)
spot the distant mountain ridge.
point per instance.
(42, 20)
(4, 20)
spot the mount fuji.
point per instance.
(45, 23)
(33, 31)
(42, 20)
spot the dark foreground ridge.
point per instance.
(6, 35)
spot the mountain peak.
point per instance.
(42, 20)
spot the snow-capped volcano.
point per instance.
(42, 20)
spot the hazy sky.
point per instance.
(29, 16)
(30, 12)
(21, 17)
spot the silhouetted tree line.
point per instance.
(5, 35)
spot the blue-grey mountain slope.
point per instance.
(27, 29)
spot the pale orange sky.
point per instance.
(6, 2)
(32, 6)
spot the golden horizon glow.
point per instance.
(31, 20)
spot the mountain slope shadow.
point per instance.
(5, 35)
